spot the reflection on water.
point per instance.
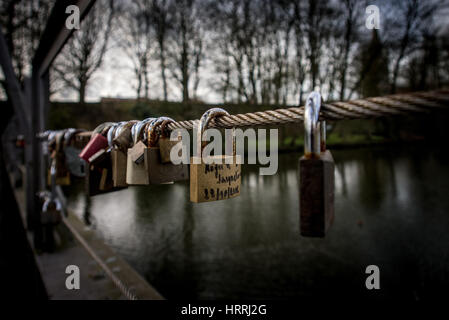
(392, 210)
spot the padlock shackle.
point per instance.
(110, 134)
(124, 125)
(136, 133)
(314, 130)
(202, 126)
(163, 126)
(103, 128)
(70, 133)
(118, 129)
(59, 140)
(152, 136)
(51, 138)
(58, 205)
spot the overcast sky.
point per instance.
(116, 79)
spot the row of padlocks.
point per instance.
(118, 155)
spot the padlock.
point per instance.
(99, 173)
(165, 143)
(57, 154)
(138, 133)
(136, 173)
(214, 177)
(51, 212)
(98, 160)
(120, 144)
(95, 150)
(96, 174)
(82, 139)
(316, 174)
(123, 135)
(106, 181)
(74, 163)
(52, 209)
(158, 172)
(97, 142)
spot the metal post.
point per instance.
(32, 106)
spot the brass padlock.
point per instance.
(136, 173)
(120, 144)
(316, 174)
(165, 143)
(215, 177)
(158, 172)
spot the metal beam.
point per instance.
(13, 89)
(34, 161)
(56, 34)
(53, 39)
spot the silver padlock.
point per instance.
(136, 173)
(52, 208)
(74, 163)
(316, 171)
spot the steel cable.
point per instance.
(391, 105)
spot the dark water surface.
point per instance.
(392, 210)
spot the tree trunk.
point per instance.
(404, 44)
(184, 62)
(146, 79)
(163, 68)
(395, 74)
(139, 86)
(82, 91)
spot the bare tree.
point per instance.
(83, 55)
(136, 26)
(274, 34)
(410, 19)
(185, 46)
(351, 11)
(162, 21)
(241, 36)
(300, 63)
(23, 22)
(233, 40)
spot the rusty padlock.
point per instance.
(216, 177)
(158, 172)
(316, 174)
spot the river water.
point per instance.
(391, 210)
